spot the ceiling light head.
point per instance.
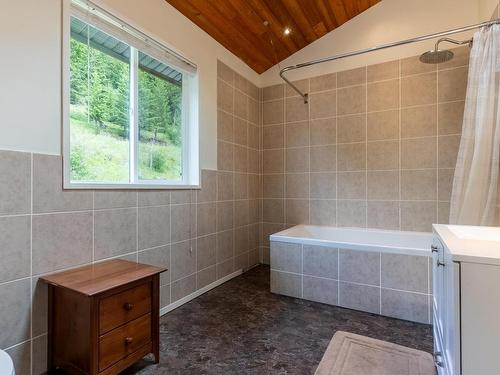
(287, 31)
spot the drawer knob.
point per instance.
(128, 306)
(128, 340)
(434, 248)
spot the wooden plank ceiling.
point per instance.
(254, 29)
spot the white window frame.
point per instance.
(189, 133)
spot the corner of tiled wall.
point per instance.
(375, 147)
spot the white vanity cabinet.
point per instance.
(466, 299)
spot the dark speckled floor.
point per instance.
(241, 328)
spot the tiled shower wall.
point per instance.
(375, 147)
(200, 235)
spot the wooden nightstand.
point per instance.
(103, 317)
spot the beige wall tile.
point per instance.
(182, 215)
(418, 90)
(383, 215)
(225, 216)
(296, 109)
(183, 287)
(183, 255)
(225, 96)
(254, 186)
(273, 92)
(240, 131)
(225, 186)
(15, 182)
(273, 137)
(225, 268)
(383, 71)
(240, 240)
(273, 161)
(240, 105)
(351, 185)
(418, 153)
(273, 211)
(323, 185)
(452, 84)
(297, 211)
(164, 197)
(383, 185)
(15, 247)
(323, 132)
(225, 73)
(382, 155)
(419, 184)
(351, 157)
(225, 245)
(15, 312)
(254, 133)
(448, 150)
(241, 213)
(273, 112)
(351, 100)
(323, 212)
(323, 82)
(323, 104)
(254, 111)
(115, 232)
(205, 218)
(383, 95)
(48, 195)
(351, 213)
(240, 186)
(297, 185)
(297, 134)
(383, 125)
(351, 128)
(154, 226)
(206, 277)
(351, 77)
(159, 257)
(225, 156)
(418, 216)
(39, 358)
(273, 185)
(419, 121)
(240, 159)
(297, 159)
(61, 241)
(208, 192)
(451, 117)
(443, 212)
(224, 126)
(323, 158)
(114, 199)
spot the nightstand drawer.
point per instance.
(123, 341)
(123, 307)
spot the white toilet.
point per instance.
(6, 365)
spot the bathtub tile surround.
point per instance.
(395, 285)
(375, 147)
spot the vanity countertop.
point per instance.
(473, 244)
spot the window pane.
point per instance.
(160, 121)
(99, 106)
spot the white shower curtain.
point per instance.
(475, 185)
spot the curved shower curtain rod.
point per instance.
(305, 96)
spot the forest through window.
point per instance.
(126, 112)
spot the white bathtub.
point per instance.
(377, 271)
(410, 243)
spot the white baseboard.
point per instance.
(198, 293)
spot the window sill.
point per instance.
(145, 186)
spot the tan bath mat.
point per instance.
(350, 354)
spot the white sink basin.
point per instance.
(466, 232)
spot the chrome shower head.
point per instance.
(439, 56)
(436, 56)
